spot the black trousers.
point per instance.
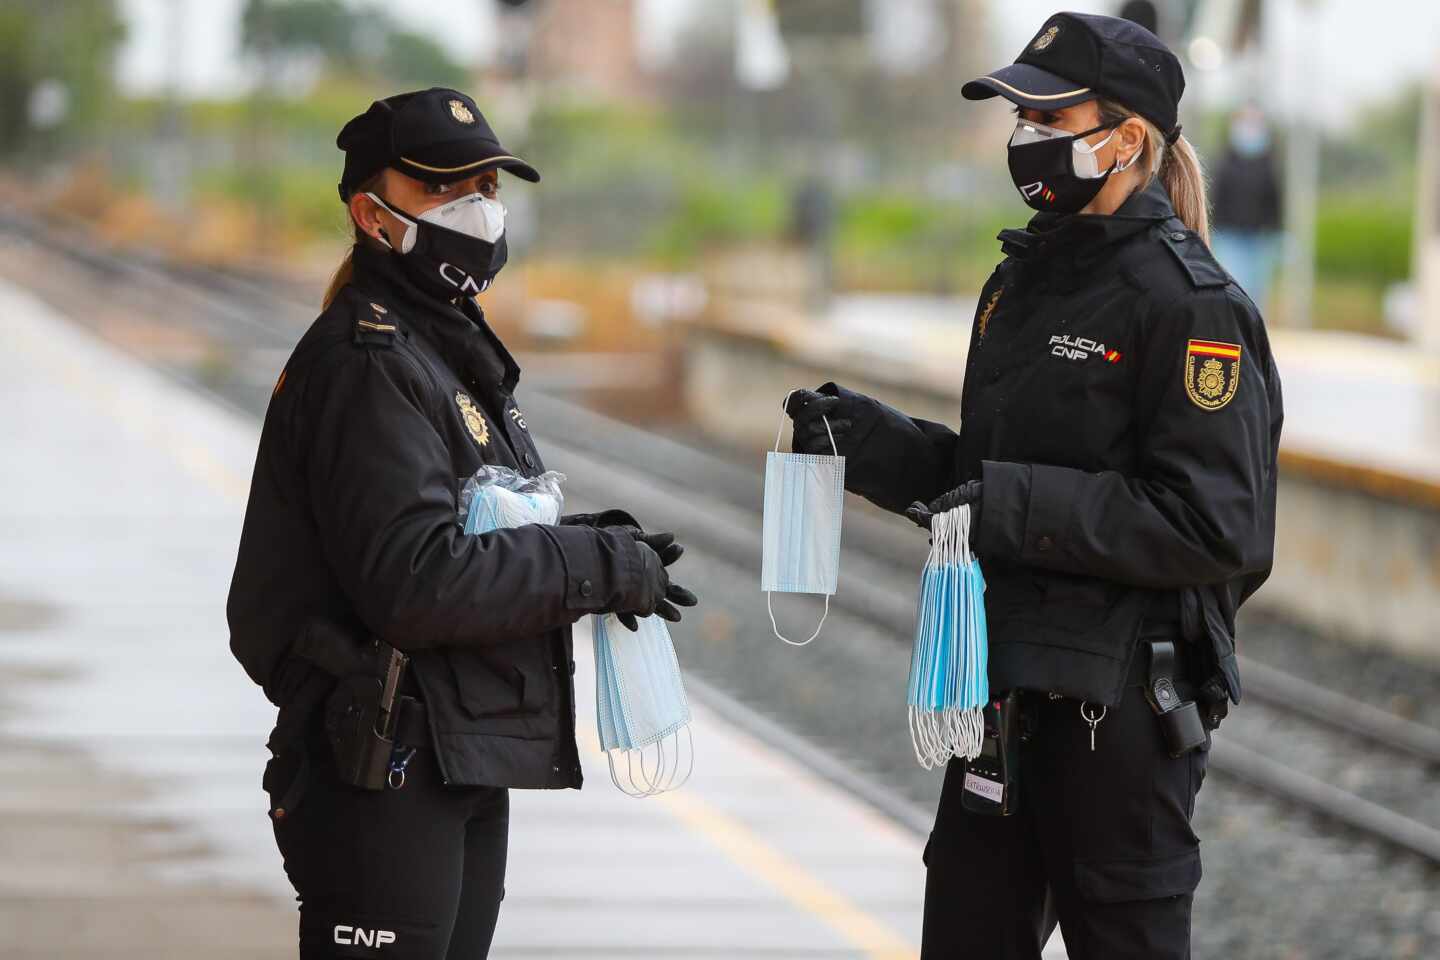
(1102, 841)
(411, 874)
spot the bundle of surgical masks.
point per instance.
(949, 685)
(640, 702)
(642, 711)
(497, 498)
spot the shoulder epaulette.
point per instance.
(1194, 257)
(375, 325)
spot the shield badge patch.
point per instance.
(474, 419)
(1212, 373)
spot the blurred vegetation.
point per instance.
(350, 39)
(1365, 222)
(1361, 240)
(695, 167)
(70, 45)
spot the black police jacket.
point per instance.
(388, 403)
(1123, 409)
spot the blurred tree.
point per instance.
(1377, 151)
(328, 27)
(68, 50)
(414, 60)
(362, 40)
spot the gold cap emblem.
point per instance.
(474, 421)
(1046, 38)
(460, 112)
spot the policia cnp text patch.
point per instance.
(1212, 373)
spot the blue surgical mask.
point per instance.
(641, 708)
(800, 540)
(1248, 138)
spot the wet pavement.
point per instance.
(131, 743)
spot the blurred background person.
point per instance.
(1248, 197)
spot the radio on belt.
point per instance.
(1179, 719)
(992, 778)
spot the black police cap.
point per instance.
(1077, 57)
(436, 135)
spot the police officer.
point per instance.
(1120, 418)
(398, 392)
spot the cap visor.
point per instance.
(1027, 86)
(444, 163)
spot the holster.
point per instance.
(334, 671)
(361, 716)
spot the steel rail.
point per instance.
(676, 474)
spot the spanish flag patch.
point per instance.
(1212, 373)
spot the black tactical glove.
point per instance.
(810, 409)
(968, 492)
(605, 519)
(661, 596)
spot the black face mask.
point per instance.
(1044, 173)
(452, 261)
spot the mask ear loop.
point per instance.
(769, 596)
(690, 767)
(407, 243)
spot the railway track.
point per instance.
(714, 498)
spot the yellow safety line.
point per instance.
(747, 850)
(196, 459)
(735, 840)
(799, 886)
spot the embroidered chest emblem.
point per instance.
(474, 420)
(983, 323)
(1212, 373)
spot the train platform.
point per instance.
(132, 743)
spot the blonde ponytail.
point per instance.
(1184, 180)
(342, 275)
(1177, 166)
(345, 272)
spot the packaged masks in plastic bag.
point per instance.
(496, 498)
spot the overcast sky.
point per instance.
(1347, 51)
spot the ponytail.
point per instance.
(1184, 180)
(342, 275)
(345, 272)
(1177, 166)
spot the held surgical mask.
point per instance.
(641, 708)
(455, 249)
(1056, 170)
(800, 543)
